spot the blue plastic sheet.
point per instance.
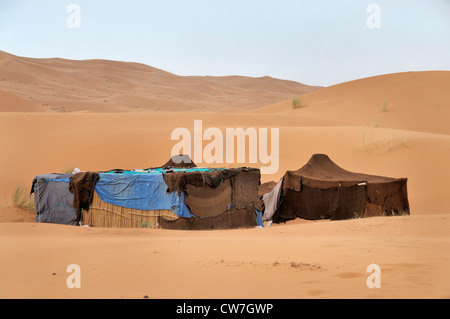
(259, 220)
(140, 191)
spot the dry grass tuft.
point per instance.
(21, 200)
(297, 103)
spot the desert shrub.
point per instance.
(384, 107)
(20, 199)
(297, 103)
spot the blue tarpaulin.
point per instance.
(259, 220)
(140, 191)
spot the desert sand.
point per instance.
(58, 114)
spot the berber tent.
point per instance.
(176, 195)
(322, 190)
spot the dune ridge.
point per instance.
(414, 101)
(61, 85)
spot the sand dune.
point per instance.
(13, 103)
(61, 85)
(415, 101)
(58, 114)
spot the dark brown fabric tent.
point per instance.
(219, 198)
(323, 190)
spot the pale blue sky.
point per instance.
(320, 42)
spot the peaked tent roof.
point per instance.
(321, 172)
(322, 189)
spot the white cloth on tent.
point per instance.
(271, 201)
